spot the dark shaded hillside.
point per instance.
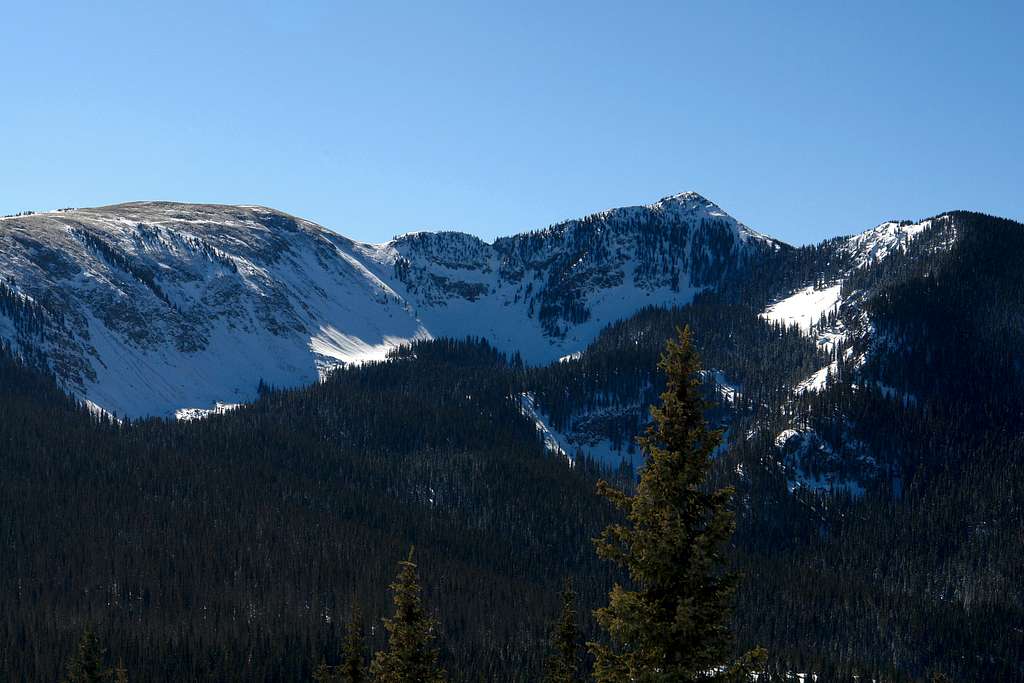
(953, 325)
(231, 548)
(619, 370)
(924, 571)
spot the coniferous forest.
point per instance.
(251, 545)
(533, 342)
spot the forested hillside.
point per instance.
(879, 506)
(232, 547)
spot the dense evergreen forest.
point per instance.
(234, 547)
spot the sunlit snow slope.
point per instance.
(823, 313)
(153, 307)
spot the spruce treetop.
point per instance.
(411, 655)
(672, 624)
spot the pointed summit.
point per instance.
(694, 204)
(685, 197)
(690, 202)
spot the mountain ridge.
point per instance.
(154, 307)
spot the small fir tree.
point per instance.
(411, 656)
(86, 665)
(325, 673)
(353, 655)
(563, 664)
(673, 625)
(353, 651)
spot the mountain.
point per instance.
(173, 309)
(779, 335)
(870, 390)
(154, 308)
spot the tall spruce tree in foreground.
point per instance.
(563, 664)
(411, 656)
(673, 625)
(86, 665)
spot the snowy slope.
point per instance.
(846, 320)
(547, 294)
(804, 307)
(875, 244)
(151, 308)
(154, 307)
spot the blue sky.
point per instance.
(802, 120)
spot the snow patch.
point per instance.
(818, 380)
(804, 307)
(331, 343)
(552, 439)
(726, 390)
(188, 414)
(811, 463)
(875, 244)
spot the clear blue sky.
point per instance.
(803, 121)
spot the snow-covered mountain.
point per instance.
(154, 307)
(836, 313)
(147, 308)
(833, 314)
(546, 294)
(825, 292)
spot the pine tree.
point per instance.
(563, 664)
(353, 657)
(353, 651)
(86, 665)
(674, 625)
(411, 656)
(325, 673)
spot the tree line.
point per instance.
(670, 623)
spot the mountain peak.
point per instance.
(689, 202)
(694, 203)
(684, 198)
